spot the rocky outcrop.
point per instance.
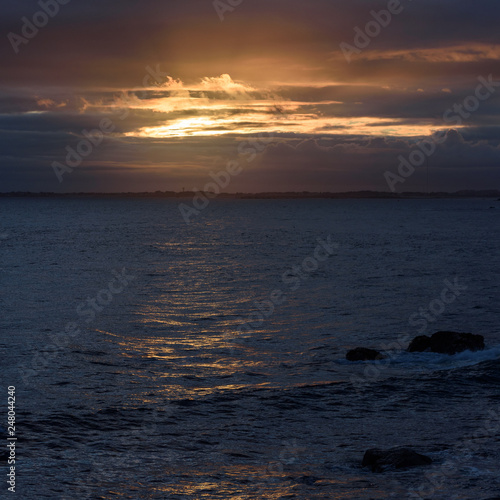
(421, 343)
(447, 343)
(363, 354)
(394, 458)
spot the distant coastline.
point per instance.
(265, 195)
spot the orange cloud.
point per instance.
(459, 53)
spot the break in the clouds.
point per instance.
(156, 95)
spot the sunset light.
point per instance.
(250, 249)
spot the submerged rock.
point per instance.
(396, 458)
(447, 343)
(363, 354)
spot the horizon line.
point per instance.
(485, 193)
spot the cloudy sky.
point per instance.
(316, 95)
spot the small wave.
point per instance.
(465, 358)
(436, 360)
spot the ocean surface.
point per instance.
(153, 359)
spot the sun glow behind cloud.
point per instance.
(219, 106)
(183, 91)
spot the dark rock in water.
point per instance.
(420, 344)
(363, 354)
(395, 458)
(447, 343)
(451, 342)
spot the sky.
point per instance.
(260, 95)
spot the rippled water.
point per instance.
(162, 393)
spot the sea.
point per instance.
(152, 358)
